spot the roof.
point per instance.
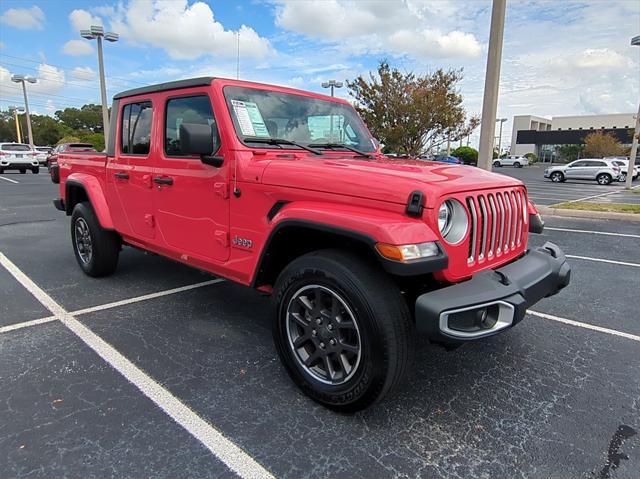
(172, 85)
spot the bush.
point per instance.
(532, 157)
(468, 155)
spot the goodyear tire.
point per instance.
(342, 329)
(95, 249)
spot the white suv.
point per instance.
(624, 167)
(602, 171)
(513, 160)
(18, 156)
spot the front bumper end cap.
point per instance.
(493, 300)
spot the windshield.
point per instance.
(268, 114)
(16, 147)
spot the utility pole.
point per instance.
(96, 33)
(491, 84)
(501, 120)
(15, 109)
(331, 84)
(635, 41)
(25, 79)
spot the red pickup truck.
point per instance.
(286, 191)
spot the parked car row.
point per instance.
(18, 156)
(601, 170)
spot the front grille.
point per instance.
(497, 221)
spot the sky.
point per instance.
(561, 57)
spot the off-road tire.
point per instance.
(105, 245)
(604, 179)
(380, 312)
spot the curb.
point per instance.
(600, 215)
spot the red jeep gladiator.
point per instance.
(286, 191)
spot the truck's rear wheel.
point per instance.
(96, 249)
(342, 329)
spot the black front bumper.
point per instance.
(493, 300)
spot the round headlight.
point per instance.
(444, 218)
(452, 221)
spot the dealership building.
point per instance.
(541, 135)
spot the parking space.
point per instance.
(94, 394)
(544, 192)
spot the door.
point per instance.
(593, 168)
(129, 172)
(191, 198)
(576, 170)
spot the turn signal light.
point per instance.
(408, 252)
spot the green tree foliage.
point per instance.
(570, 152)
(88, 117)
(532, 157)
(410, 113)
(468, 155)
(95, 139)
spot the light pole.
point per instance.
(97, 32)
(635, 41)
(24, 80)
(331, 84)
(491, 83)
(501, 120)
(16, 110)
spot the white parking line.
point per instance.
(601, 260)
(225, 450)
(26, 324)
(594, 196)
(592, 327)
(8, 179)
(606, 233)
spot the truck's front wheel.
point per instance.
(342, 329)
(96, 249)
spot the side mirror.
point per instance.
(201, 140)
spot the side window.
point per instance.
(135, 137)
(596, 163)
(579, 164)
(189, 109)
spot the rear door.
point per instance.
(191, 198)
(593, 168)
(129, 172)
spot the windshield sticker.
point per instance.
(250, 119)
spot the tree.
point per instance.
(88, 117)
(468, 155)
(599, 145)
(570, 152)
(410, 113)
(95, 139)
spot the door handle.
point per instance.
(163, 180)
(121, 176)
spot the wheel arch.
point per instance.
(87, 188)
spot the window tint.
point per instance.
(16, 147)
(136, 128)
(596, 163)
(192, 109)
(579, 163)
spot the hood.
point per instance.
(386, 179)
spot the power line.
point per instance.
(59, 66)
(18, 91)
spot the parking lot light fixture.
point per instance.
(332, 84)
(22, 79)
(96, 32)
(501, 120)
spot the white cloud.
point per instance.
(50, 81)
(399, 27)
(600, 58)
(82, 20)
(77, 48)
(184, 31)
(433, 43)
(83, 73)
(24, 18)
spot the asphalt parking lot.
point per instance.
(544, 192)
(162, 371)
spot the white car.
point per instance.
(42, 153)
(602, 171)
(624, 167)
(513, 160)
(18, 156)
